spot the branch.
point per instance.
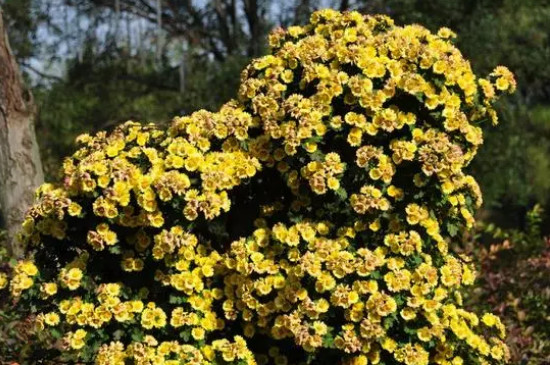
(40, 73)
(251, 12)
(221, 14)
(199, 24)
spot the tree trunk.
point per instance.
(159, 33)
(20, 166)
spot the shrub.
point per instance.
(13, 328)
(514, 282)
(307, 222)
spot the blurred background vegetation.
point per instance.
(94, 63)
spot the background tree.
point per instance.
(20, 165)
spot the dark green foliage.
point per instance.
(104, 90)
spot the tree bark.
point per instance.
(20, 165)
(251, 10)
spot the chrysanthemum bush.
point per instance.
(306, 222)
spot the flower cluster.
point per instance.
(299, 282)
(150, 351)
(309, 220)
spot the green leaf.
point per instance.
(115, 249)
(399, 300)
(56, 333)
(388, 322)
(341, 193)
(185, 335)
(452, 229)
(137, 335)
(317, 156)
(174, 299)
(117, 335)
